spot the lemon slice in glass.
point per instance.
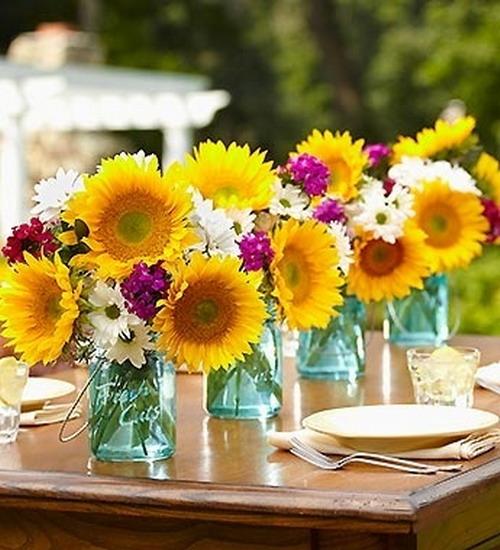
(13, 377)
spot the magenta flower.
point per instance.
(30, 237)
(492, 213)
(329, 211)
(389, 184)
(256, 251)
(143, 288)
(310, 172)
(376, 152)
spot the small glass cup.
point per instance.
(446, 379)
(13, 378)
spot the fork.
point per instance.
(311, 455)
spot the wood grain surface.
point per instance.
(225, 474)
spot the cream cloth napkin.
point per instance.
(465, 449)
(45, 416)
(489, 377)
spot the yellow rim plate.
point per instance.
(392, 428)
(40, 390)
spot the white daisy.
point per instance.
(343, 243)
(401, 198)
(288, 200)
(384, 221)
(131, 348)
(409, 172)
(413, 172)
(214, 228)
(243, 220)
(52, 194)
(110, 317)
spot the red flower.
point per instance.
(30, 237)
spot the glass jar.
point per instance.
(421, 318)
(252, 388)
(336, 352)
(131, 410)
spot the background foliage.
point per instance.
(376, 68)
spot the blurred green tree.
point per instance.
(377, 68)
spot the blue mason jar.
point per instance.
(420, 319)
(250, 389)
(132, 411)
(336, 352)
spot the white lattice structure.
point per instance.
(86, 97)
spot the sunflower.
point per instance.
(232, 176)
(385, 270)
(38, 307)
(487, 172)
(432, 141)
(345, 160)
(453, 223)
(132, 215)
(212, 315)
(306, 277)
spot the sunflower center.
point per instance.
(134, 227)
(136, 224)
(112, 311)
(206, 311)
(295, 274)
(52, 308)
(442, 225)
(339, 170)
(226, 194)
(379, 258)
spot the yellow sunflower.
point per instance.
(232, 176)
(487, 172)
(453, 223)
(382, 270)
(431, 141)
(306, 277)
(132, 214)
(38, 307)
(212, 315)
(343, 156)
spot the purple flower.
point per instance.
(256, 251)
(310, 172)
(376, 152)
(492, 213)
(143, 288)
(329, 211)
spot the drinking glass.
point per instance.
(13, 377)
(443, 378)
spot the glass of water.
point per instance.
(443, 376)
(13, 377)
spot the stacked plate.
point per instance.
(39, 391)
(397, 428)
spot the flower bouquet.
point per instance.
(381, 254)
(456, 205)
(134, 272)
(243, 209)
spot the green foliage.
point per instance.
(477, 289)
(377, 68)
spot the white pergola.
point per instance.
(88, 97)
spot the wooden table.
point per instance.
(227, 489)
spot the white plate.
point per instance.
(393, 428)
(40, 390)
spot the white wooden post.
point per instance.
(13, 200)
(177, 141)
